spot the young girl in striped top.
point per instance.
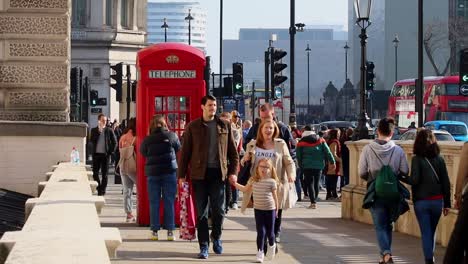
(263, 185)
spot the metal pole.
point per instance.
(128, 92)
(165, 34)
(253, 102)
(81, 94)
(346, 65)
(419, 85)
(396, 63)
(308, 82)
(220, 43)
(292, 33)
(189, 32)
(362, 129)
(267, 76)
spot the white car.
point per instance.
(441, 135)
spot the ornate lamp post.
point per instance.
(363, 9)
(395, 41)
(165, 26)
(308, 76)
(189, 18)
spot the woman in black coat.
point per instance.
(160, 148)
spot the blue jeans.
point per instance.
(209, 192)
(128, 181)
(428, 213)
(298, 182)
(163, 185)
(265, 222)
(383, 226)
(311, 179)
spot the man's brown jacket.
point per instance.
(194, 153)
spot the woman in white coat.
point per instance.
(268, 145)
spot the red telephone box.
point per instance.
(171, 81)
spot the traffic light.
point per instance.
(134, 90)
(93, 97)
(463, 88)
(238, 78)
(117, 76)
(227, 91)
(370, 76)
(74, 86)
(277, 67)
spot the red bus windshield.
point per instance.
(441, 101)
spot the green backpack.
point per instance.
(386, 182)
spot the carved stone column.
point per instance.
(34, 60)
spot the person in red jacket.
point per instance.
(333, 172)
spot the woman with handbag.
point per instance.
(430, 186)
(160, 148)
(268, 145)
(127, 165)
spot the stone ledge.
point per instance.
(51, 129)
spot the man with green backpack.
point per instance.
(380, 163)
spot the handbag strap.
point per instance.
(435, 173)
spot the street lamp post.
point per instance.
(165, 26)
(293, 28)
(363, 9)
(346, 48)
(189, 18)
(308, 77)
(396, 40)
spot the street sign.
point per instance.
(464, 89)
(96, 111)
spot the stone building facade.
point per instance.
(104, 33)
(34, 60)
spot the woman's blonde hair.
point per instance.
(256, 174)
(157, 121)
(260, 140)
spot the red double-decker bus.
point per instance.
(441, 101)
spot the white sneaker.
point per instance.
(271, 252)
(235, 206)
(260, 256)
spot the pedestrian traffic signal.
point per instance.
(277, 66)
(238, 78)
(370, 76)
(93, 97)
(117, 77)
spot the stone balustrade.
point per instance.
(353, 194)
(62, 224)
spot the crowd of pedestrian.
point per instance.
(279, 162)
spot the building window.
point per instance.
(109, 14)
(124, 12)
(97, 72)
(79, 12)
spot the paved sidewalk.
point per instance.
(309, 236)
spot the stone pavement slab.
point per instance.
(309, 236)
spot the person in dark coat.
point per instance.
(104, 145)
(160, 148)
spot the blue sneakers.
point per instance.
(203, 252)
(217, 246)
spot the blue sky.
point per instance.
(267, 14)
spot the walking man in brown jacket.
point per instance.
(209, 150)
